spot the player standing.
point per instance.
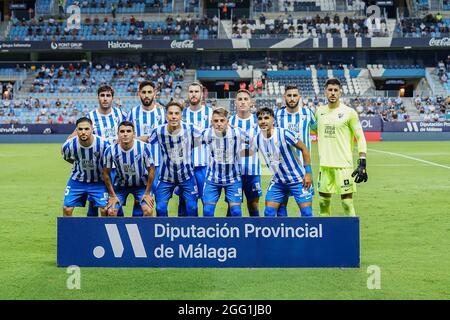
(291, 177)
(199, 115)
(250, 166)
(135, 171)
(177, 141)
(297, 119)
(105, 119)
(85, 153)
(146, 117)
(337, 126)
(224, 170)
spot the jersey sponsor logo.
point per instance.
(330, 131)
(129, 169)
(294, 127)
(87, 164)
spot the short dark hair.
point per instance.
(265, 110)
(83, 119)
(290, 87)
(333, 81)
(173, 103)
(125, 123)
(146, 83)
(104, 88)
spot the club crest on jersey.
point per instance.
(340, 115)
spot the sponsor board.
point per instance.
(208, 242)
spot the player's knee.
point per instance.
(236, 211)
(270, 212)
(192, 209)
(146, 211)
(161, 208)
(347, 205)
(67, 211)
(282, 211)
(103, 212)
(306, 211)
(208, 209)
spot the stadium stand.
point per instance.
(430, 25)
(307, 27)
(43, 6)
(306, 5)
(123, 6)
(129, 28)
(78, 81)
(432, 109)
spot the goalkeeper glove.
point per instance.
(360, 173)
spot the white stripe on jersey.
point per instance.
(224, 164)
(88, 161)
(144, 122)
(299, 122)
(249, 165)
(131, 165)
(106, 126)
(203, 119)
(176, 151)
(280, 155)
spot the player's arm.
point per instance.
(360, 172)
(314, 120)
(313, 123)
(144, 139)
(151, 176)
(67, 155)
(307, 180)
(113, 200)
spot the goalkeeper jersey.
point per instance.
(336, 129)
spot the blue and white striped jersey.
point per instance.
(176, 163)
(203, 119)
(249, 165)
(106, 126)
(88, 161)
(224, 164)
(299, 122)
(279, 153)
(144, 122)
(131, 166)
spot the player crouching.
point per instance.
(85, 152)
(289, 176)
(135, 171)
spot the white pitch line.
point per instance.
(412, 158)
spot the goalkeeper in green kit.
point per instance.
(337, 126)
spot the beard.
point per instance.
(293, 107)
(145, 104)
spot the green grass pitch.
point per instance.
(405, 230)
